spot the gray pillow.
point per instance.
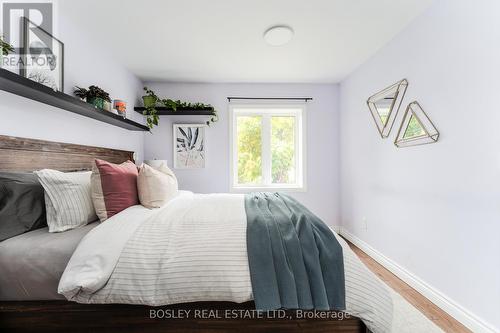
(22, 206)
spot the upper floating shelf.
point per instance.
(22, 86)
(164, 111)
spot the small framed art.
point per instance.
(189, 146)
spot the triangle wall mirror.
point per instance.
(384, 106)
(416, 128)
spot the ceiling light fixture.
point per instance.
(278, 35)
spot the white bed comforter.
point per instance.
(192, 249)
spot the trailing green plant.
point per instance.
(151, 112)
(6, 47)
(92, 92)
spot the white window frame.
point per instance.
(279, 109)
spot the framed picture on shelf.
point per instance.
(189, 147)
(43, 56)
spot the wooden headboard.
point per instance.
(21, 154)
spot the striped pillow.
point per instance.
(67, 199)
(114, 187)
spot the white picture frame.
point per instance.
(189, 146)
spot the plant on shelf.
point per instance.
(5, 48)
(93, 95)
(151, 101)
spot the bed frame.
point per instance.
(21, 154)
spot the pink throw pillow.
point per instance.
(114, 187)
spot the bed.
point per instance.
(35, 261)
(32, 263)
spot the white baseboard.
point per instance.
(464, 316)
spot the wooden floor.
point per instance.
(431, 311)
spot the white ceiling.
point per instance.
(221, 40)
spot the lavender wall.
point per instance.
(433, 209)
(86, 62)
(322, 194)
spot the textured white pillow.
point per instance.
(156, 187)
(67, 199)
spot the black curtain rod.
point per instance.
(274, 98)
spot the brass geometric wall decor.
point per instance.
(416, 128)
(384, 106)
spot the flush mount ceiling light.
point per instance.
(278, 35)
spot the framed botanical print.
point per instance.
(189, 146)
(43, 56)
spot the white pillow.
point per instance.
(156, 187)
(67, 199)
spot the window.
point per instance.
(267, 147)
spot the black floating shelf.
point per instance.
(24, 87)
(164, 111)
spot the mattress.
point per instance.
(31, 264)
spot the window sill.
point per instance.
(249, 189)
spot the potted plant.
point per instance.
(151, 100)
(81, 92)
(5, 48)
(93, 95)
